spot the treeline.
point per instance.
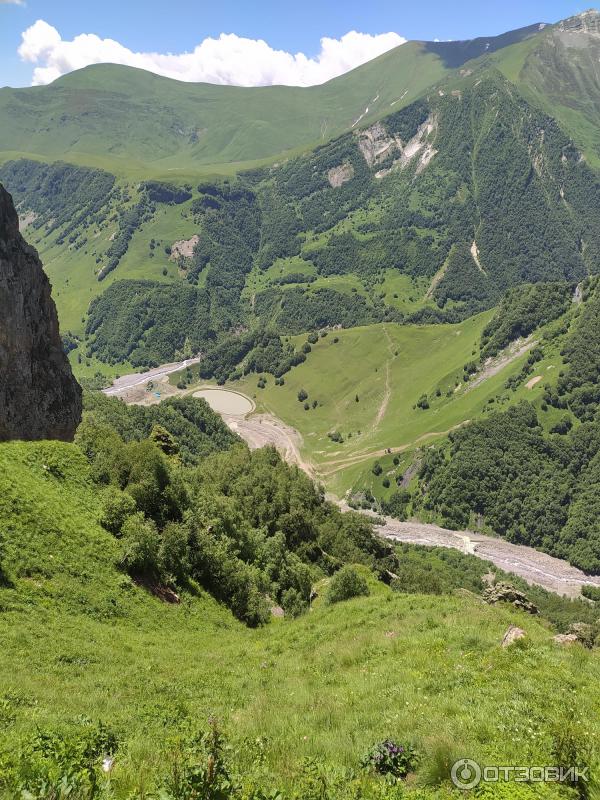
(159, 192)
(62, 196)
(578, 387)
(196, 429)
(254, 351)
(245, 526)
(296, 310)
(148, 323)
(145, 323)
(522, 311)
(229, 218)
(529, 487)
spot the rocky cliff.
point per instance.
(39, 397)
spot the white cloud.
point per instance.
(230, 59)
(12, 2)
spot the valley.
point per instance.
(302, 499)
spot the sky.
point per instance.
(242, 42)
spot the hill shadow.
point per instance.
(455, 54)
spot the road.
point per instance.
(126, 382)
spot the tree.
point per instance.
(348, 582)
(164, 440)
(302, 395)
(118, 506)
(141, 543)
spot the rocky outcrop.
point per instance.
(506, 593)
(39, 397)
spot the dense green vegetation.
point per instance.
(196, 429)
(532, 488)
(243, 526)
(522, 311)
(66, 199)
(578, 388)
(130, 681)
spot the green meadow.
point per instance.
(297, 700)
(388, 368)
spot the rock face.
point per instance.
(506, 593)
(39, 397)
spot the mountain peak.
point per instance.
(585, 22)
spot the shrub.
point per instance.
(117, 507)
(390, 758)
(345, 584)
(141, 544)
(591, 592)
(302, 395)
(377, 469)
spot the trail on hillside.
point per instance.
(495, 365)
(387, 392)
(342, 463)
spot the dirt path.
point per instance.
(494, 365)
(334, 465)
(259, 430)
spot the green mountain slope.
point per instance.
(558, 70)
(95, 665)
(428, 215)
(129, 120)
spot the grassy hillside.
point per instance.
(558, 71)
(136, 123)
(428, 216)
(95, 666)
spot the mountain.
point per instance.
(39, 397)
(131, 121)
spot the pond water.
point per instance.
(225, 402)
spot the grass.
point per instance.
(364, 363)
(73, 272)
(132, 130)
(79, 639)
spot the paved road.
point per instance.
(125, 382)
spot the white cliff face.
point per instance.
(377, 145)
(39, 397)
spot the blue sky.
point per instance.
(181, 25)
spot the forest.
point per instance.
(189, 502)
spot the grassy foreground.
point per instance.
(300, 701)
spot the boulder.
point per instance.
(512, 635)
(565, 639)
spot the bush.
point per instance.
(390, 758)
(141, 544)
(302, 395)
(345, 584)
(377, 469)
(591, 592)
(117, 507)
